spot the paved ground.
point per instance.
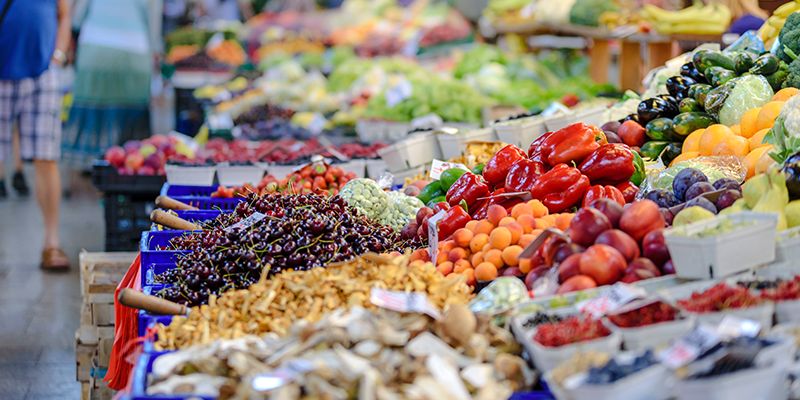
(39, 311)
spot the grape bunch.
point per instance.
(299, 232)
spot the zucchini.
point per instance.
(699, 92)
(653, 149)
(685, 123)
(714, 59)
(766, 64)
(743, 61)
(671, 151)
(689, 104)
(660, 129)
(718, 75)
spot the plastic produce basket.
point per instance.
(195, 176)
(145, 319)
(654, 335)
(417, 150)
(151, 240)
(106, 179)
(726, 253)
(453, 144)
(650, 383)
(150, 271)
(376, 168)
(520, 132)
(752, 383)
(126, 216)
(141, 370)
(787, 247)
(186, 190)
(238, 175)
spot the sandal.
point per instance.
(19, 184)
(54, 259)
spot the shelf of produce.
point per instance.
(193, 79)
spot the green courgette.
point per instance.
(688, 105)
(653, 148)
(660, 129)
(685, 123)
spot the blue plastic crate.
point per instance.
(211, 203)
(151, 240)
(194, 216)
(150, 271)
(185, 190)
(146, 319)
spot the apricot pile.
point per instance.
(487, 248)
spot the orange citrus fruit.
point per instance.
(752, 157)
(785, 93)
(714, 135)
(768, 113)
(757, 140)
(747, 126)
(686, 155)
(692, 142)
(732, 146)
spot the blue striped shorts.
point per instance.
(34, 106)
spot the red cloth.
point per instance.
(125, 332)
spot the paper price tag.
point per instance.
(611, 299)
(433, 234)
(398, 92)
(403, 302)
(689, 347)
(439, 166)
(215, 40)
(317, 124)
(247, 222)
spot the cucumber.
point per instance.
(743, 61)
(699, 92)
(653, 148)
(688, 105)
(715, 59)
(685, 123)
(660, 129)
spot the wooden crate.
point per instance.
(102, 314)
(100, 274)
(84, 355)
(104, 351)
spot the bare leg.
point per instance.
(15, 151)
(48, 194)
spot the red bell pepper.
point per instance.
(440, 206)
(629, 191)
(469, 188)
(455, 218)
(497, 168)
(610, 164)
(522, 175)
(570, 144)
(535, 149)
(560, 188)
(603, 192)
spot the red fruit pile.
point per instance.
(718, 298)
(315, 178)
(786, 290)
(570, 330)
(647, 315)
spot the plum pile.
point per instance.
(298, 232)
(689, 185)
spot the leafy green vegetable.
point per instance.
(789, 37)
(587, 12)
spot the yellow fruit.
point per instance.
(692, 142)
(757, 140)
(785, 93)
(752, 158)
(736, 129)
(766, 117)
(748, 123)
(686, 155)
(714, 135)
(732, 146)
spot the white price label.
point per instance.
(403, 302)
(611, 299)
(439, 166)
(689, 347)
(215, 40)
(317, 124)
(433, 234)
(398, 92)
(247, 222)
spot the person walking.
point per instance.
(34, 35)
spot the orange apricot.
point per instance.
(461, 266)
(511, 255)
(521, 209)
(527, 221)
(516, 231)
(494, 256)
(456, 254)
(495, 213)
(525, 265)
(445, 268)
(447, 245)
(476, 258)
(484, 226)
(478, 241)
(485, 272)
(462, 237)
(539, 209)
(500, 238)
(471, 225)
(469, 274)
(563, 220)
(526, 239)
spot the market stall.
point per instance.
(357, 227)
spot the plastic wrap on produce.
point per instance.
(401, 210)
(749, 41)
(748, 92)
(714, 167)
(500, 296)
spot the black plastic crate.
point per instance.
(106, 179)
(126, 216)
